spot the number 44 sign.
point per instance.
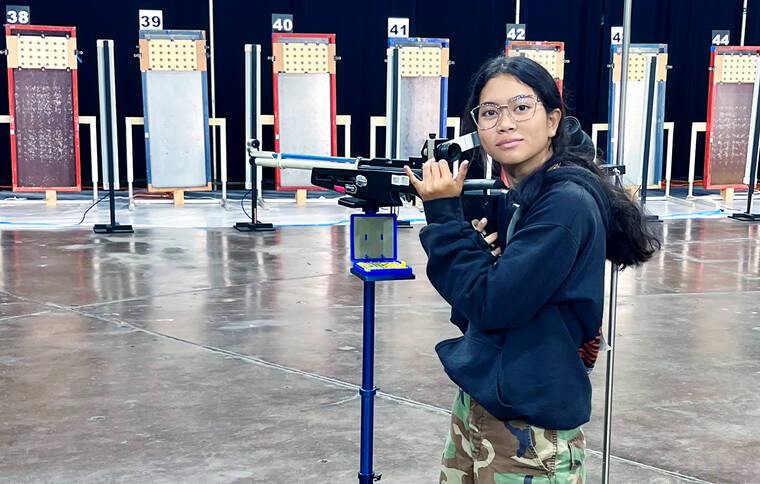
(719, 37)
(151, 19)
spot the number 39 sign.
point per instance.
(151, 20)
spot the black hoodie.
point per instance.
(531, 317)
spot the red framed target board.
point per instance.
(728, 140)
(43, 107)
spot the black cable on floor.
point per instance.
(90, 208)
(243, 206)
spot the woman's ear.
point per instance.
(552, 121)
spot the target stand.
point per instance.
(43, 107)
(303, 82)
(637, 101)
(733, 123)
(417, 93)
(732, 96)
(550, 55)
(373, 254)
(175, 106)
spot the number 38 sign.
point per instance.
(17, 14)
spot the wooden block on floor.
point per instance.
(301, 197)
(727, 194)
(633, 192)
(51, 198)
(179, 198)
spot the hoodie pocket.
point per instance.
(472, 362)
(542, 377)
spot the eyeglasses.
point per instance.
(520, 108)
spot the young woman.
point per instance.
(530, 309)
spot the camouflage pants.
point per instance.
(483, 449)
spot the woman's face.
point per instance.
(519, 146)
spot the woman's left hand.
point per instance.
(437, 180)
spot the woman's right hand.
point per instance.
(490, 239)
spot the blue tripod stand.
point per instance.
(373, 253)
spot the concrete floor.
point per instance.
(206, 210)
(208, 355)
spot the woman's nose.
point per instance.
(506, 122)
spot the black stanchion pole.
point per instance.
(252, 120)
(748, 216)
(651, 75)
(107, 122)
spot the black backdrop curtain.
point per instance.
(476, 29)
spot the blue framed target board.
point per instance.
(175, 107)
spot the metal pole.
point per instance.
(108, 117)
(651, 71)
(517, 11)
(257, 117)
(368, 390)
(751, 183)
(753, 170)
(624, 81)
(392, 105)
(253, 115)
(614, 275)
(107, 101)
(744, 21)
(106, 76)
(612, 319)
(755, 145)
(213, 83)
(249, 108)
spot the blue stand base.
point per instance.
(386, 275)
(367, 392)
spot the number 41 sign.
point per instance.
(398, 27)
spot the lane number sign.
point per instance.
(515, 31)
(151, 19)
(17, 14)
(720, 37)
(282, 22)
(616, 35)
(398, 27)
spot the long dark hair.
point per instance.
(630, 240)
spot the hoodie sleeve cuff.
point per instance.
(443, 210)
